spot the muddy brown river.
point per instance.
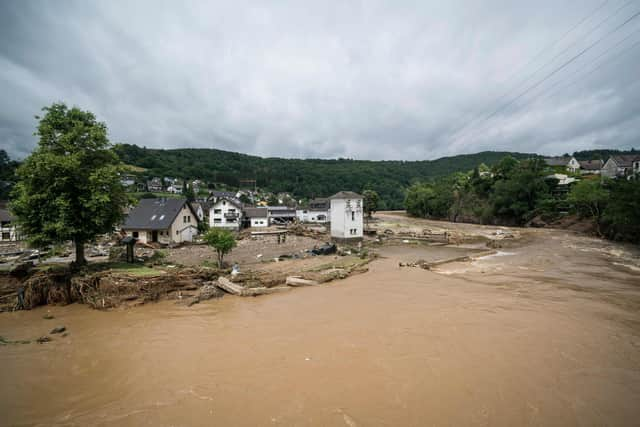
(543, 334)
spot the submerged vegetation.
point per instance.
(514, 192)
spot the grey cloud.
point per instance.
(368, 80)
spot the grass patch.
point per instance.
(133, 168)
(134, 269)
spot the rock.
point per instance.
(48, 316)
(43, 340)
(58, 330)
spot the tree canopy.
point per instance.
(222, 241)
(69, 187)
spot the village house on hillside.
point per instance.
(590, 167)
(8, 230)
(162, 220)
(226, 212)
(569, 163)
(622, 166)
(347, 219)
(256, 217)
(154, 185)
(317, 211)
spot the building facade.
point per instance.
(226, 212)
(347, 217)
(163, 221)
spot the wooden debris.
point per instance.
(298, 281)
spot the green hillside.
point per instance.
(302, 177)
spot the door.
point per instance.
(154, 236)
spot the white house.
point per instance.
(162, 220)
(620, 166)
(226, 212)
(317, 211)
(569, 163)
(8, 230)
(347, 220)
(256, 217)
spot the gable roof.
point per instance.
(5, 215)
(625, 160)
(345, 195)
(591, 164)
(237, 203)
(155, 214)
(557, 161)
(256, 212)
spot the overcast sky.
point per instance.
(366, 80)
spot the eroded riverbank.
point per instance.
(543, 334)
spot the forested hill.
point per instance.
(302, 177)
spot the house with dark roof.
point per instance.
(347, 218)
(162, 220)
(621, 166)
(8, 230)
(590, 167)
(317, 211)
(256, 217)
(569, 163)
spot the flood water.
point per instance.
(548, 334)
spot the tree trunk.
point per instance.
(220, 257)
(80, 259)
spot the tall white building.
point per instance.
(347, 218)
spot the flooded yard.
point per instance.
(545, 333)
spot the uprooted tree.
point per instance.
(222, 241)
(69, 187)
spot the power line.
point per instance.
(526, 79)
(550, 91)
(553, 44)
(561, 67)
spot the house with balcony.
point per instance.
(226, 212)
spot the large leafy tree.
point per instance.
(69, 187)
(370, 202)
(590, 199)
(622, 214)
(7, 174)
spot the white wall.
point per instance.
(223, 207)
(347, 221)
(259, 222)
(305, 215)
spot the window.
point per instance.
(353, 216)
(217, 211)
(177, 232)
(188, 218)
(6, 236)
(217, 220)
(184, 219)
(135, 234)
